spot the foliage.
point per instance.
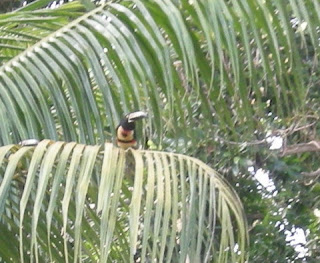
(9, 5)
(217, 78)
(144, 204)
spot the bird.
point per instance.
(125, 131)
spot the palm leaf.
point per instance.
(224, 58)
(67, 201)
(23, 28)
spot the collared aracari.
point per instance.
(126, 130)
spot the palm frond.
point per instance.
(181, 61)
(68, 201)
(22, 29)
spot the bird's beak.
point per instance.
(137, 115)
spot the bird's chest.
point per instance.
(125, 135)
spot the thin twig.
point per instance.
(292, 129)
(257, 142)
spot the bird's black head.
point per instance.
(127, 122)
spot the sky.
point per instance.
(297, 237)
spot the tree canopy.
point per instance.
(221, 81)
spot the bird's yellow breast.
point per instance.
(125, 138)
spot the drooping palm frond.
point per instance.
(68, 201)
(186, 60)
(23, 28)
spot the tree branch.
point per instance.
(312, 146)
(312, 174)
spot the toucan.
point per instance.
(126, 130)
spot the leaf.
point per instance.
(161, 203)
(221, 60)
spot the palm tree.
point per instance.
(206, 71)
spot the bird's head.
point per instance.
(125, 130)
(128, 122)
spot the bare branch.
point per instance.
(312, 146)
(293, 128)
(312, 174)
(256, 142)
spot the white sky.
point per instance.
(297, 236)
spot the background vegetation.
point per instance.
(220, 79)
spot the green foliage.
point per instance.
(215, 76)
(67, 201)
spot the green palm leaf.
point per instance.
(200, 68)
(69, 202)
(215, 55)
(24, 28)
